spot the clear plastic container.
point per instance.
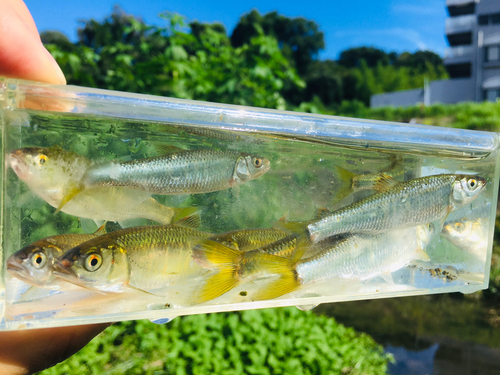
(305, 152)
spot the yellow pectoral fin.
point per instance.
(67, 197)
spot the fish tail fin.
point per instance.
(345, 187)
(217, 285)
(188, 217)
(285, 284)
(224, 260)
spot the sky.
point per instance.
(392, 25)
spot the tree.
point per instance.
(299, 39)
(193, 61)
(351, 58)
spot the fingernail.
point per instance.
(57, 69)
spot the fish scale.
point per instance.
(145, 258)
(363, 256)
(410, 203)
(199, 171)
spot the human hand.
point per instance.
(29, 351)
(22, 55)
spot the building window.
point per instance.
(460, 10)
(463, 70)
(491, 95)
(482, 20)
(492, 53)
(489, 19)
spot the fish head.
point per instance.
(466, 188)
(249, 167)
(458, 229)
(48, 170)
(92, 265)
(33, 263)
(25, 162)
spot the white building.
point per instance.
(472, 60)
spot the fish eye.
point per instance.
(42, 159)
(472, 183)
(257, 162)
(38, 260)
(93, 262)
(459, 226)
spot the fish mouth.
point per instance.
(16, 269)
(14, 266)
(15, 160)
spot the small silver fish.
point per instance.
(469, 234)
(364, 256)
(357, 256)
(407, 204)
(187, 172)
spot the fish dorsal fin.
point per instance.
(192, 221)
(321, 212)
(296, 227)
(344, 187)
(285, 217)
(384, 182)
(164, 149)
(187, 217)
(101, 230)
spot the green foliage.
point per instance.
(257, 66)
(300, 39)
(122, 53)
(476, 116)
(271, 341)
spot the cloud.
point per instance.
(366, 36)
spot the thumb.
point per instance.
(22, 54)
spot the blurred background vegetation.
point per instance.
(268, 61)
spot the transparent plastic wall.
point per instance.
(317, 166)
